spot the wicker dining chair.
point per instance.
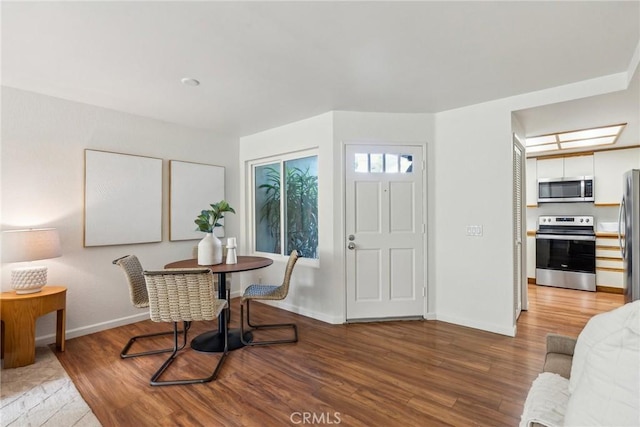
(273, 293)
(184, 296)
(139, 298)
(215, 287)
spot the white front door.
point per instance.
(385, 229)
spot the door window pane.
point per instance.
(267, 208)
(387, 162)
(377, 163)
(361, 162)
(406, 163)
(391, 163)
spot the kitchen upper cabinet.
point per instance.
(550, 168)
(609, 166)
(565, 167)
(532, 182)
(578, 166)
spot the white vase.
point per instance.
(210, 250)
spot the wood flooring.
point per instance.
(400, 373)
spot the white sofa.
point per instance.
(602, 387)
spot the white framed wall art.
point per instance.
(193, 187)
(122, 199)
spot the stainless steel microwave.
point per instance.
(576, 189)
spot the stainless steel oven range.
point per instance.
(566, 252)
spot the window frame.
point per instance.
(280, 159)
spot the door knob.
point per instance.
(351, 245)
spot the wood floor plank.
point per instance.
(411, 373)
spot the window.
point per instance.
(286, 206)
(383, 163)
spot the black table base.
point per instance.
(213, 342)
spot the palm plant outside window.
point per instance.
(286, 207)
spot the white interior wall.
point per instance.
(315, 289)
(474, 187)
(318, 291)
(469, 183)
(473, 176)
(43, 143)
(389, 128)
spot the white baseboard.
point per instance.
(90, 329)
(334, 320)
(489, 327)
(430, 316)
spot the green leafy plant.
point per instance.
(208, 219)
(301, 192)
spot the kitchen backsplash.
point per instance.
(601, 214)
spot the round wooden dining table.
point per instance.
(213, 341)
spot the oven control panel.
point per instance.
(569, 221)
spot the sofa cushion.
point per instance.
(605, 375)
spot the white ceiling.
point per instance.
(265, 64)
(602, 110)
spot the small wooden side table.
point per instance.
(19, 312)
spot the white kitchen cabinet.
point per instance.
(578, 166)
(550, 168)
(609, 263)
(609, 279)
(609, 166)
(565, 167)
(531, 182)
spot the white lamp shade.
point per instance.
(30, 245)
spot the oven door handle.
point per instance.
(565, 237)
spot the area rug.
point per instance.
(42, 394)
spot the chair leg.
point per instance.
(154, 379)
(125, 355)
(264, 326)
(228, 306)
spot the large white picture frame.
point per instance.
(193, 187)
(122, 199)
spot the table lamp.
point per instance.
(30, 245)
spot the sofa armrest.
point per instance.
(559, 357)
(560, 344)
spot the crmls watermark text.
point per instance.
(315, 418)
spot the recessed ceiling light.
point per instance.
(588, 142)
(543, 147)
(590, 133)
(538, 140)
(190, 82)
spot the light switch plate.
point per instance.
(474, 230)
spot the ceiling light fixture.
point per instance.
(539, 140)
(543, 147)
(190, 81)
(603, 135)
